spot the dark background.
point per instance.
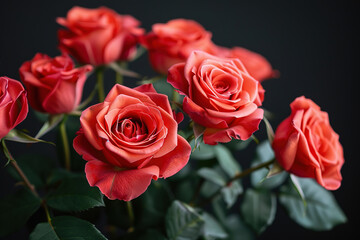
(314, 45)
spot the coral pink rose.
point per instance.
(172, 42)
(220, 95)
(128, 140)
(98, 36)
(307, 146)
(53, 84)
(256, 65)
(13, 104)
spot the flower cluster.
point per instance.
(132, 136)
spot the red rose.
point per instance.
(257, 66)
(98, 36)
(307, 146)
(172, 42)
(54, 86)
(219, 95)
(130, 139)
(13, 104)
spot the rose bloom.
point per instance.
(220, 95)
(307, 146)
(98, 36)
(172, 42)
(53, 84)
(128, 140)
(13, 104)
(256, 65)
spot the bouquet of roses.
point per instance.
(162, 160)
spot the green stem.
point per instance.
(119, 78)
(100, 84)
(18, 169)
(237, 176)
(65, 142)
(47, 213)
(250, 170)
(131, 216)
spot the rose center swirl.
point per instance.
(130, 129)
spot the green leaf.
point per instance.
(227, 161)
(66, 228)
(162, 86)
(50, 124)
(207, 189)
(231, 193)
(212, 176)
(212, 228)
(16, 209)
(203, 151)
(236, 227)
(258, 209)
(19, 136)
(75, 194)
(260, 178)
(321, 210)
(264, 151)
(44, 231)
(183, 222)
(296, 184)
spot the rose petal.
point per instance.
(241, 128)
(173, 161)
(88, 123)
(200, 115)
(122, 184)
(114, 49)
(177, 80)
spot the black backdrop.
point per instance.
(314, 45)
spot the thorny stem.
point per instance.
(25, 179)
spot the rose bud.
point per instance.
(172, 42)
(128, 140)
(53, 84)
(220, 96)
(13, 105)
(98, 36)
(307, 146)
